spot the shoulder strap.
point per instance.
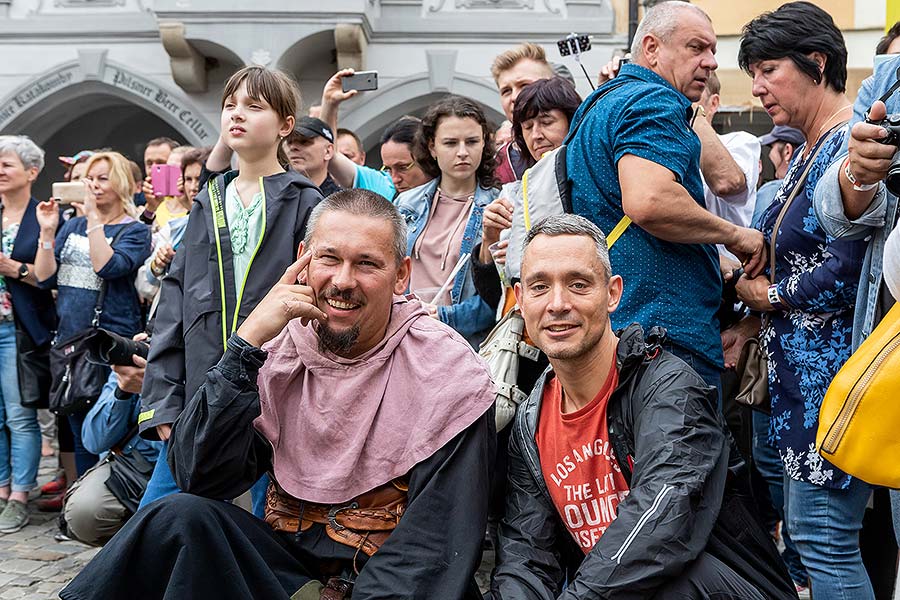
(623, 224)
(588, 108)
(223, 240)
(101, 297)
(790, 198)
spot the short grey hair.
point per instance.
(364, 203)
(28, 152)
(569, 224)
(662, 21)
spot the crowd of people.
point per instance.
(267, 383)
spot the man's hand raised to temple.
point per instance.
(286, 301)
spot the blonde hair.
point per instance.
(507, 60)
(120, 178)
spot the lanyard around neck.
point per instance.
(226, 267)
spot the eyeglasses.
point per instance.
(398, 169)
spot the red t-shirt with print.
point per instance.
(579, 464)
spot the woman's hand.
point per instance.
(432, 310)
(153, 201)
(497, 217)
(9, 267)
(734, 337)
(48, 217)
(754, 292)
(164, 255)
(89, 206)
(333, 93)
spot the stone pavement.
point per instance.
(33, 565)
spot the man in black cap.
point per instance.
(782, 141)
(310, 147)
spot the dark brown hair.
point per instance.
(273, 86)
(195, 156)
(539, 97)
(464, 108)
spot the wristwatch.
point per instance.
(46, 245)
(23, 271)
(774, 298)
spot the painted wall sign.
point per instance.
(147, 92)
(34, 92)
(158, 96)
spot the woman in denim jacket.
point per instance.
(869, 212)
(444, 216)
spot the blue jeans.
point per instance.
(824, 524)
(84, 459)
(768, 463)
(20, 434)
(895, 513)
(162, 484)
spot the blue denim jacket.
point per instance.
(468, 314)
(109, 420)
(878, 220)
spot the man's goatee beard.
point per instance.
(337, 342)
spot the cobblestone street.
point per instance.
(33, 565)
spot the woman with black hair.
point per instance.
(541, 116)
(798, 61)
(444, 216)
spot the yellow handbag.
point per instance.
(860, 415)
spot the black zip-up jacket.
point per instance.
(682, 501)
(432, 554)
(187, 332)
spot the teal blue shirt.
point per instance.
(677, 286)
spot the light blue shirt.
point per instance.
(879, 219)
(374, 180)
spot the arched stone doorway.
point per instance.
(90, 103)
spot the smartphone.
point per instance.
(574, 44)
(363, 81)
(164, 179)
(67, 192)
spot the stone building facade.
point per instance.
(113, 73)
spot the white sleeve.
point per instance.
(744, 149)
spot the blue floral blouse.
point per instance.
(807, 343)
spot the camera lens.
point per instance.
(892, 181)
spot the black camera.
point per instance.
(108, 348)
(891, 124)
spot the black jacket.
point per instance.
(433, 553)
(187, 332)
(662, 418)
(34, 307)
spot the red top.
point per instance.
(579, 464)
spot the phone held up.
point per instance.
(164, 179)
(362, 81)
(67, 192)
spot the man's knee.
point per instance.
(708, 577)
(92, 513)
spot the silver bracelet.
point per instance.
(94, 228)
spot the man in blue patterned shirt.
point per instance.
(636, 154)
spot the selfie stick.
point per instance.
(576, 51)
